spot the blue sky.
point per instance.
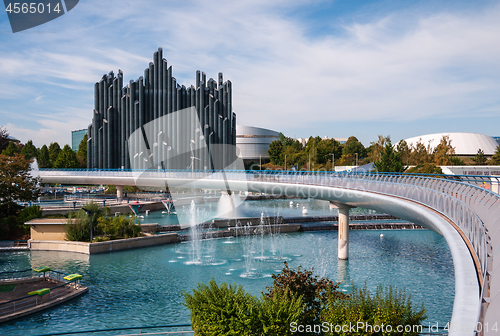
(327, 68)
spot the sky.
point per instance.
(304, 68)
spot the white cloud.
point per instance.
(401, 66)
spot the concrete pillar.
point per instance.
(119, 192)
(343, 231)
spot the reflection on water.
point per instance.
(143, 286)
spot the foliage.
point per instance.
(4, 138)
(404, 151)
(224, 310)
(276, 313)
(54, 150)
(376, 148)
(276, 152)
(314, 291)
(427, 168)
(81, 155)
(495, 159)
(390, 160)
(78, 225)
(118, 227)
(387, 307)
(16, 183)
(29, 213)
(456, 161)
(66, 159)
(12, 149)
(29, 150)
(44, 158)
(353, 146)
(443, 152)
(420, 154)
(480, 158)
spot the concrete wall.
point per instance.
(48, 232)
(103, 247)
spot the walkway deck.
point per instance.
(16, 303)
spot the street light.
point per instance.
(333, 162)
(309, 166)
(285, 162)
(356, 159)
(90, 213)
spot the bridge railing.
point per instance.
(466, 200)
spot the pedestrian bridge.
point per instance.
(461, 209)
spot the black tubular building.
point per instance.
(155, 123)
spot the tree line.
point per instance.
(51, 156)
(323, 154)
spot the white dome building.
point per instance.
(253, 142)
(466, 144)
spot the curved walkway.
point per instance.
(467, 216)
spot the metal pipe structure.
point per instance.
(120, 111)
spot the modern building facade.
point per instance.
(77, 137)
(253, 142)
(155, 123)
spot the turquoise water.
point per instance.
(143, 286)
(209, 210)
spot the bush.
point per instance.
(388, 307)
(78, 227)
(277, 313)
(118, 227)
(315, 291)
(219, 311)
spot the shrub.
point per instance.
(118, 227)
(78, 227)
(388, 307)
(277, 313)
(219, 311)
(315, 291)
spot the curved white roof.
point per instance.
(464, 143)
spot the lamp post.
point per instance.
(356, 159)
(333, 162)
(309, 166)
(285, 162)
(90, 213)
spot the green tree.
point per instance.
(495, 159)
(81, 155)
(426, 168)
(376, 148)
(390, 160)
(54, 150)
(66, 159)
(443, 152)
(11, 149)
(29, 150)
(420, 154)
(353, 146)
(324, 150)
(480, 158)
(276, 153)
(456, 161)
(4, 138)
(44, 158)
(404, 151)
(16, 183)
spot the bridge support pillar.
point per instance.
(119, 191)
(343, 231)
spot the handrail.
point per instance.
(119, 329)
(461, 198)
